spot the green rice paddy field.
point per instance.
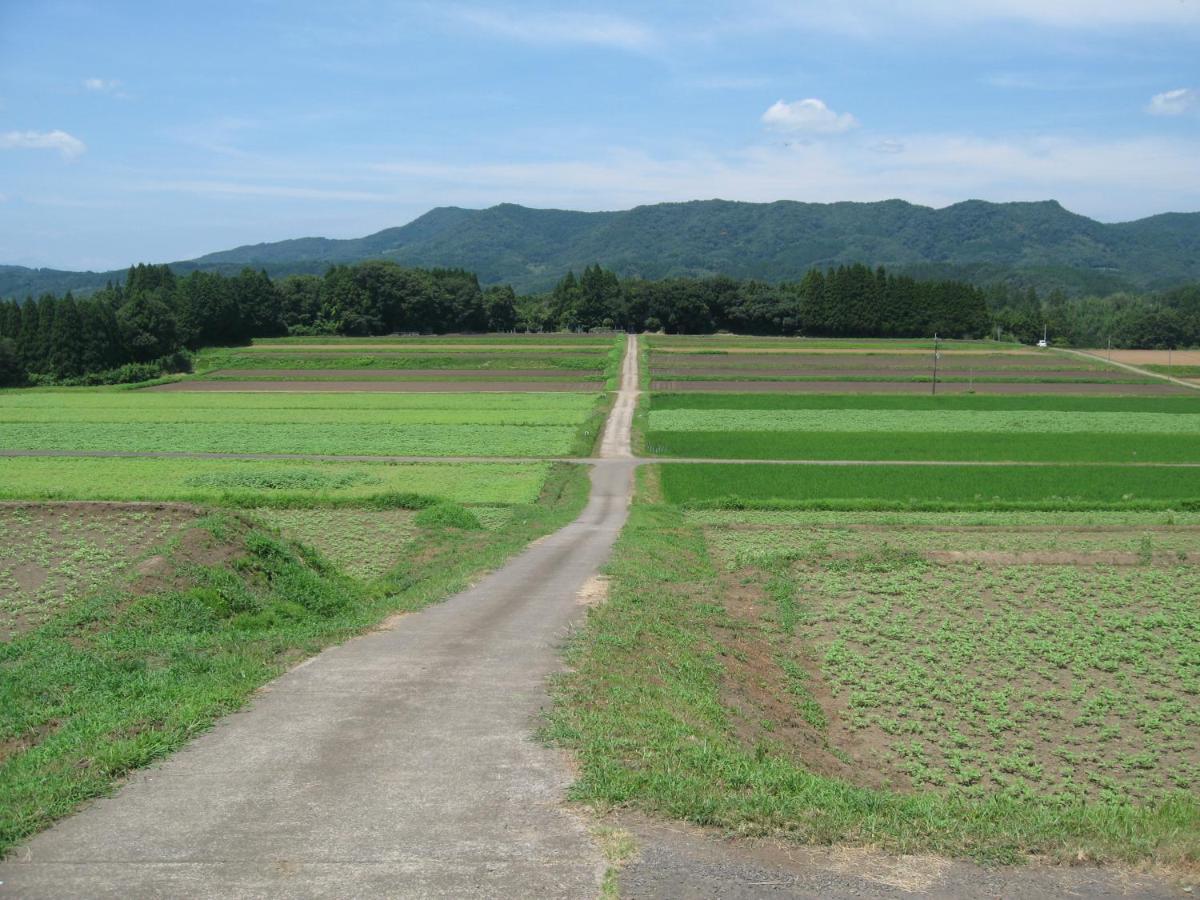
(1067, 429)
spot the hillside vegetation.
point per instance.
(1027, 244)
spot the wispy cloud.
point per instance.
(1174, 103)
(206, 187)
(67, 145)
(884, 17)
(729, 82)
(102, 86)
(597, 29)
(810, 116)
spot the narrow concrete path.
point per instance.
(399, 764)
(1137, 370)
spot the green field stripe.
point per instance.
(962, 446)
(383, 440)
(704, 401)
(932, 486)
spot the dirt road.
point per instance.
(400, 764)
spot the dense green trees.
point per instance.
(847, 301)
(142, 328)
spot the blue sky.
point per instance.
(158, 131)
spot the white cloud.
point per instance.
(68, 145)
(1174, 103)
(101, 85)
(810, 115)
(558, 28)
(884, 17)
(888, 146)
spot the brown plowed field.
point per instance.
(1082, 374)
(399, 347)
(416, 374)
(878, 362)
(911, 387)
(841, 351)
(1151, 357)
(415, 387)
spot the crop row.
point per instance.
(334, 440)
(1074, 683)
(256, 482)
(931, 487)
(916, 446)
(60, 402)
(1060, 403)
(931, 422)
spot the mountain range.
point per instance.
(1039, 244)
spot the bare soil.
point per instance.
(415, 374)
(1151, 357)
(56, 551)
(429, 346)
(914, 387)
(414, 387)
(1089, 374)
(874, 361)
(764, 712)
(844, 351)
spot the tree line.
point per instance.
(146, 326)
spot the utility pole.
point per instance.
(935, 362)
(1110, 348)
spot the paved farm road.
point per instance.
(397, 764)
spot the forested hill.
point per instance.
(1027, 244)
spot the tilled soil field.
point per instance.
(411, 374)
(416, 387)
(913, 371)
(1151, 357)
(850, 360)
(54, 552)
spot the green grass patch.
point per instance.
(1175, 371)
(447, 515)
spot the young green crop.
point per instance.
(350, 424)
(258, 482)
(931, 487)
